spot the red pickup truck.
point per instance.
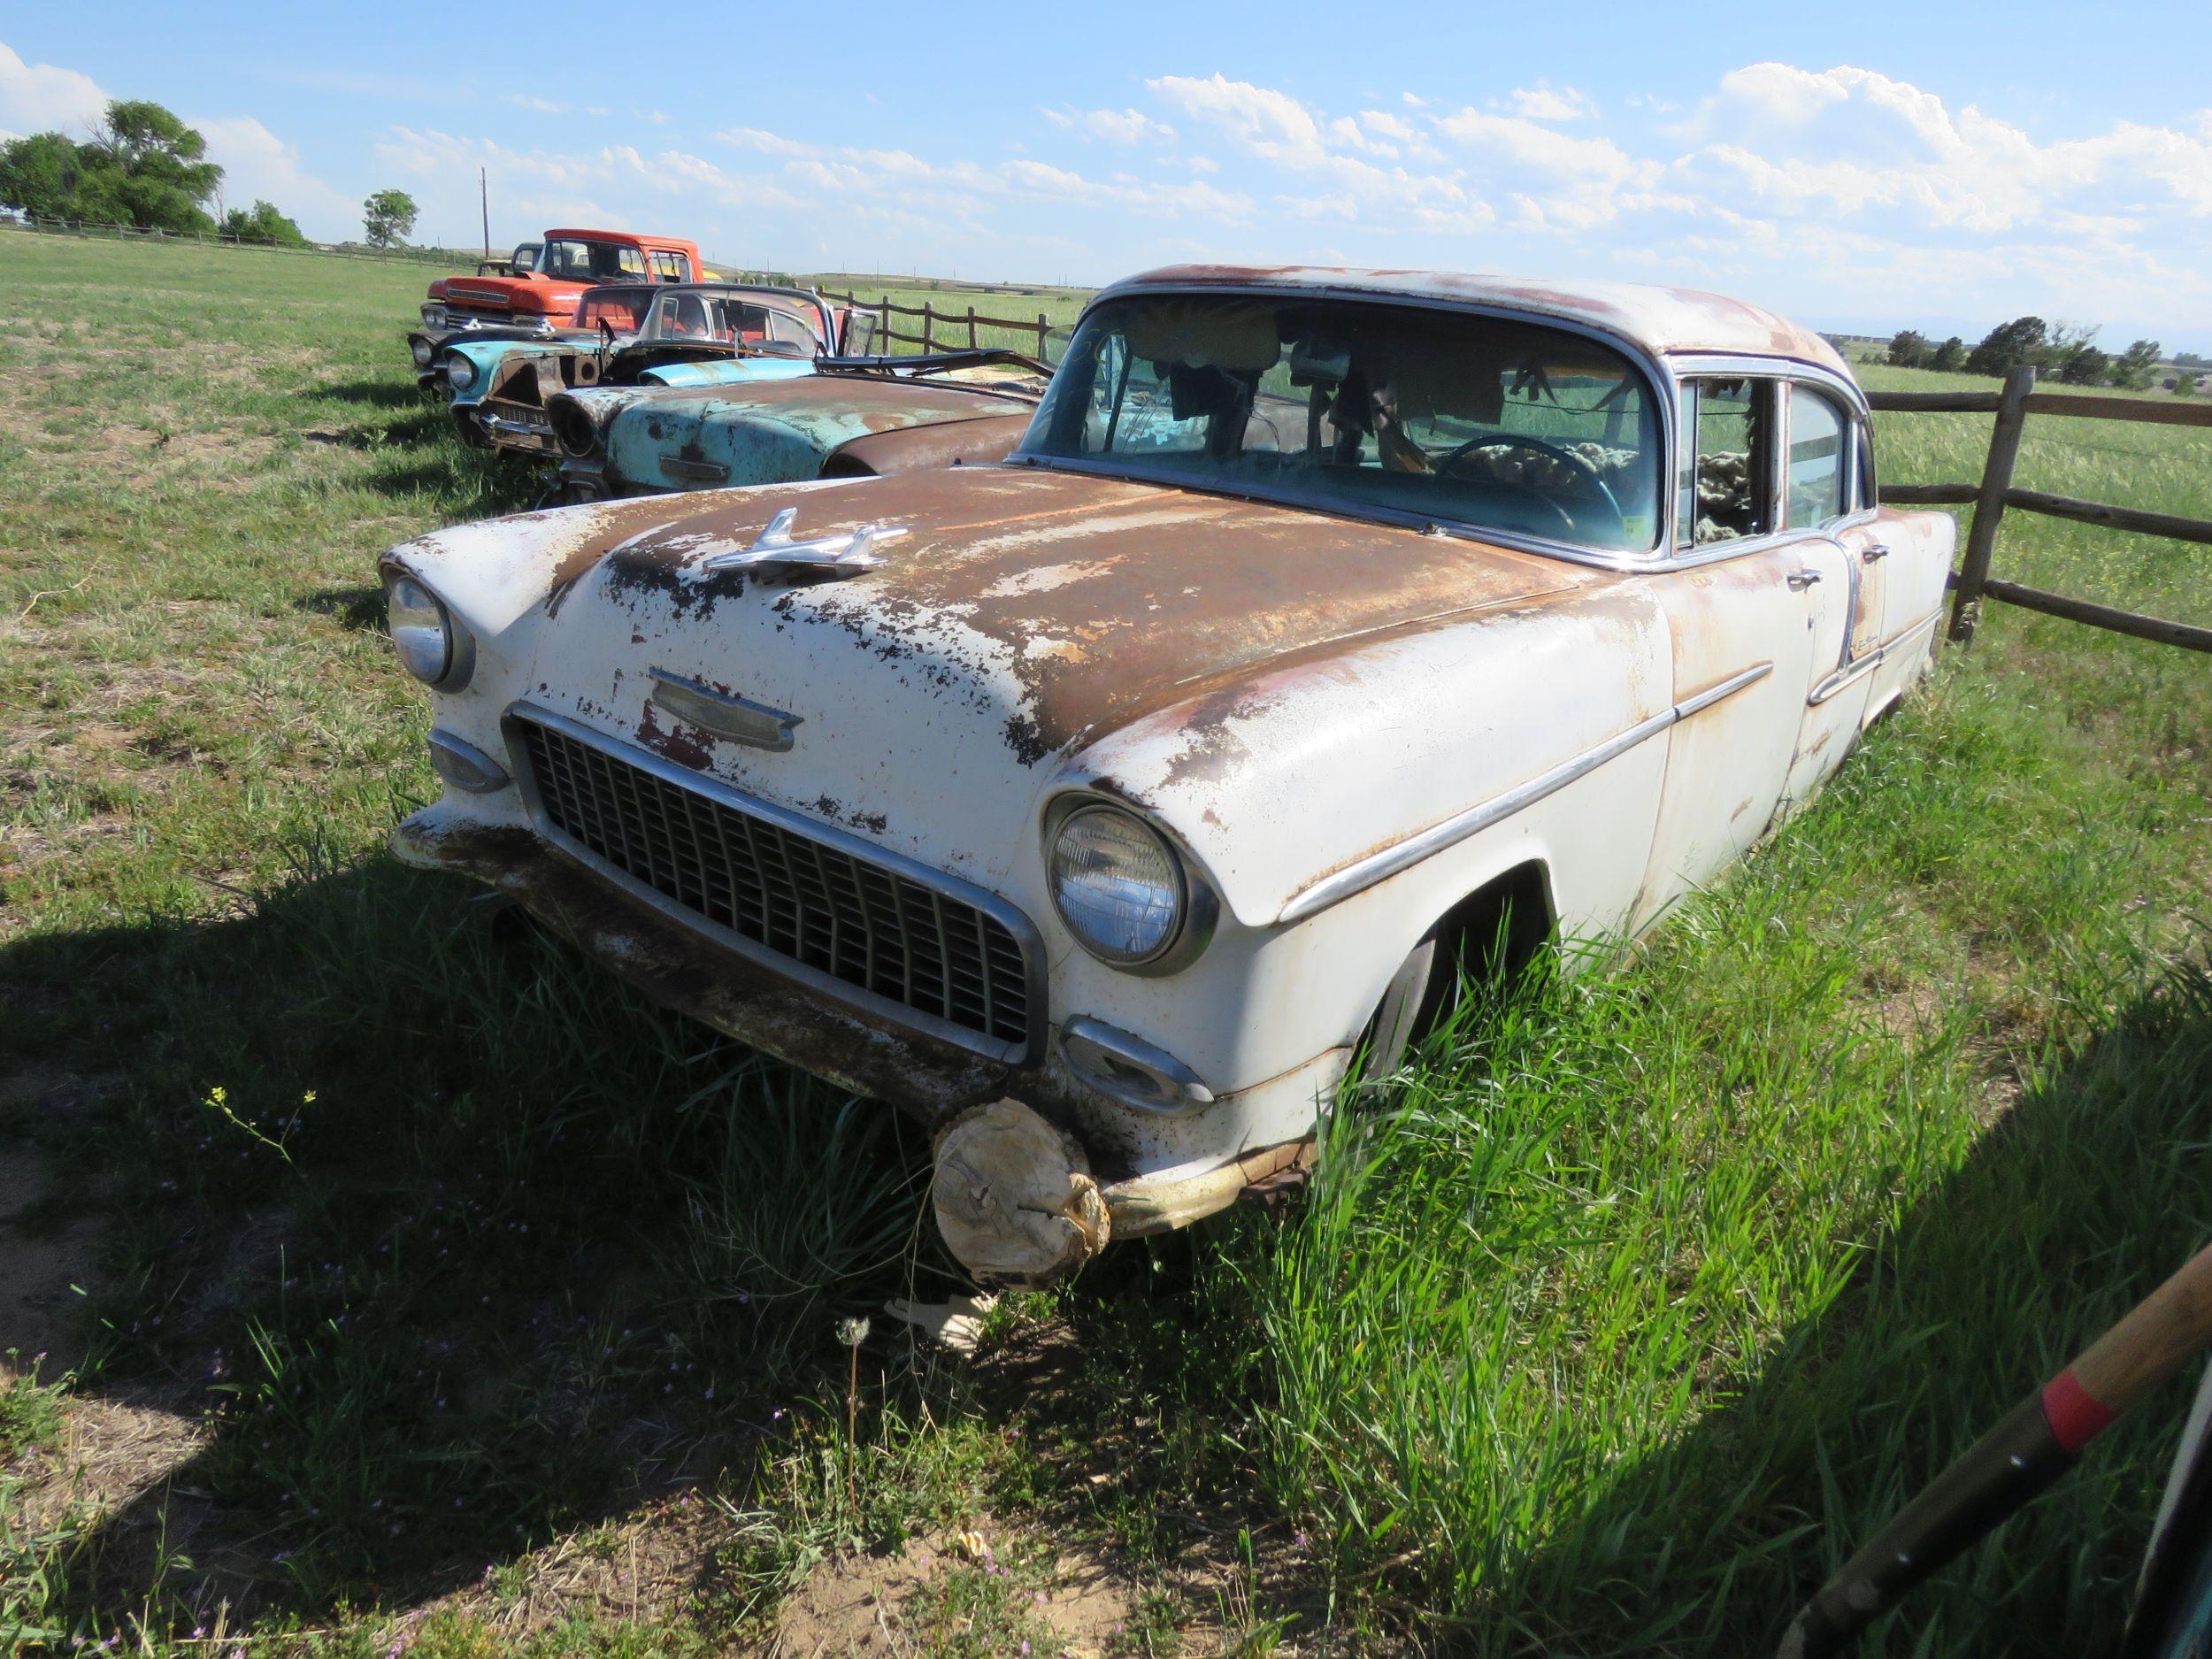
(545, 278)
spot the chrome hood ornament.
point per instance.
(845, 553)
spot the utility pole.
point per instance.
(484, 192)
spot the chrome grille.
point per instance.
(800, 898)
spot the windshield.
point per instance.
(741, 319)
(1503, 424)
(525, 257)
(568, 260)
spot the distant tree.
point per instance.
(153, 167)
(2007, 346)
(2189, 360)
(2186, 384)
(2087, 367)
(264, 224)
(38, 175)
(141, 166)
(2137, 365)
(1909, 350)
(387, 217)
(1950, 356)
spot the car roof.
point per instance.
(1665, 321)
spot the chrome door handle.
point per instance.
(1873, 550)
(1802, 579)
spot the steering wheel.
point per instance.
(1585, 472)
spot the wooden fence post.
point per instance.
(971, 328)
(1043, 323)
(929, 316)
(1989, 506)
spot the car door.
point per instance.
(1821, 501)
(1758, 614)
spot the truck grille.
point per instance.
(800, 898)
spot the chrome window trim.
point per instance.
(1380, 866)
(1007, 914)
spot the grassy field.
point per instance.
(403, 1285)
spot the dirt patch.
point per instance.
(874, 1604)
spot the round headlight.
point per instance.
(423, 354)
(421, 630)
(1116, 886)
(460, 373)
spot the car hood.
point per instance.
(1023, 617)
(1057, 605)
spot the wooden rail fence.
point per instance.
(1996, 494)
(443, 259)
(932, 318)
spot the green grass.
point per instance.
(1626, 1314)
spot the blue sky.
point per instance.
(1861, 167)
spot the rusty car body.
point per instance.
(759, 420)
(695, 334)
(612, 312)
(1326, 630)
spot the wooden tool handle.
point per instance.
(2008, 1467)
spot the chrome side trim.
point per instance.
(882, 1007)
(1126, 1068)
(694, 471)
(1866, 664)
(1861, 667)
(1376, 867)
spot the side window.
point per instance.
(671, 267)
(1819, 484)
(1727, 460)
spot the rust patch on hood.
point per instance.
(1102, 599)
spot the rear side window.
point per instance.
(1724, 492)
(671, 267)
(1819, 476)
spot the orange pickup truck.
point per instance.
(545, 278)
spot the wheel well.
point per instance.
(1493, 933)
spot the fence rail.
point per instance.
(932, 318)
(1996, 494)
(115, 231)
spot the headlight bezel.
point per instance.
(460, 373)
(1199, 911)
(424, 353)
(456, 659)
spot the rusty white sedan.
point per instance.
(1330, 633)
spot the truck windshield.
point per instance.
(568, 260)
(1492, 423)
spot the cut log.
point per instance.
(1014, 1196)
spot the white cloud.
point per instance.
(39, 97)
(1116, 126)
(1543, 102)
(259, 166)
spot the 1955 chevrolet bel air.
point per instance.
(1328, 632)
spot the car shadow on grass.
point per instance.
(2091, 1189)
(399, 1279)
(384, 393)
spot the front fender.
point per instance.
(1287, 776)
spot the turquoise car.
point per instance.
(849, 417)
(689, 335)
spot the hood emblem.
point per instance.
(724, 713)
(845, 553)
